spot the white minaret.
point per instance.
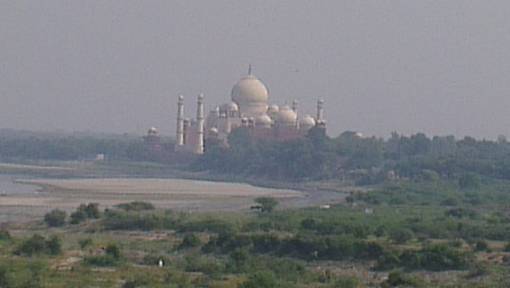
(199, 149)
(320, 110)
(180, 123)
(295, 109)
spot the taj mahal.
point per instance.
(249, 107)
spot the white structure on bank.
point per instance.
(249, 107)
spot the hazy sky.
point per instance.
(441, 67)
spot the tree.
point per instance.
(261, 279)
(113, 250)
(55, 218)
(401, 235)
(266, 204)
(469, 181)
(54, 245)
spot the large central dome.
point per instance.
(251, 96)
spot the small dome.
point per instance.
(232, 107)
(153, 131)
(273, 108)
(307, 122)
(272, 111)
(213, 130)
(286, 116)
(263, 120)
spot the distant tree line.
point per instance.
(41, 146)
(366, 159)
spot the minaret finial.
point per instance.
(249, 69)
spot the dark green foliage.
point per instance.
(206, 265)
(27, 145)
(5, 235)
(261, 279)
(346, 282)
(54, 245)
(37, 244)
(84, 243)
(121, 220)
(482, 245)
(266, 204)
(4, 281)
(469, 181)
(297, 159)
(84, 212)
(135, 206)
(111, 257)
(399, 279)
(101, 261)
(189, 241)
(438, 257)
(113, 250)
(139, 282)
(401, 235)
(34, 245)
(55, 218)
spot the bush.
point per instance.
(54, 245)
(5, 235)
(401, 235)
(398, 279)
(84, 212)
(37, 244)
(113, 250)
(469, 181)
(120, 220)
(266, 204)
(481, 245)
(101, 260)
(78, 216)
(136, 206)
(85, 243)
(346, 282)
(261, 279)
(55, 218)
(189, 241)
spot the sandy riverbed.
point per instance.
(178, 194)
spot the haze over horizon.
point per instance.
(438, 67)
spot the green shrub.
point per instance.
(398, 279)
(85, 243)
(84, 212)
(37, 244)
(54, 245)
(346, 282)
(55, 218)
(481, 245)
(34, 245)
(469, 181)
(121, 220)
(401, 235)
(260, 279)
(136, 206)
(101, 260)
(189, 241)
(5, 235)
(266, 204)
(113, 250)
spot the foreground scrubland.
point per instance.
(420, 233)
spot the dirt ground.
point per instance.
(176, 194)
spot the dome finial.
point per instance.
(249, 69)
